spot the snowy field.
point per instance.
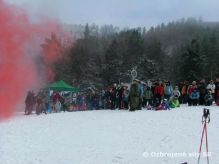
(109, 137)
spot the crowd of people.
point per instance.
(163, 95)
(152, 95)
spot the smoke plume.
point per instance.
(20, 46)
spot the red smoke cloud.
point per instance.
(52, 51)
(19, 46)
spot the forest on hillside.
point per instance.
(187, 49)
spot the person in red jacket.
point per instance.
(159, 91)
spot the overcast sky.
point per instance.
(122, 13)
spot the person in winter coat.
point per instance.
(168, 90)
(176, 92)
(147, 96)
(159, 92)
(58, 106)
(120, 91)
(211, 86)
(203, 91)
(29, 102)
(216, 96)
(208, 98)
(88, 100)
(55, 97)
(114, 97)
(164, 105)
(183, 91)
(134, 96)
(141, 90)
(190, 89)
(95, 100)
(194, 97)
(174, 101)
(102, 99)
(125, 98)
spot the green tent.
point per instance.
(62, 86)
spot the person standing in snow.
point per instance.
(168, 90)
(203, 91)
(29, 102)
(211, 86)
(120, 92)
(183, 91)
(159, 92)
(55, 97)
(176, 92)
(125, 98)
(134, 96)
(208, 98)
(216, 96)
(147, 96)
(114, 97)
(58, 106)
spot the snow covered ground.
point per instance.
(109, 137)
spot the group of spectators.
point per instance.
(163, 95)
(157, 95)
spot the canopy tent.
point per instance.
(62, 86)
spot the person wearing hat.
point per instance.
(164, 105)
(194, 97)
(190, 90)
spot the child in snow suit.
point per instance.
(208, 98)
(164, 105)
(174, 102)
(194, 96)
(190, 89)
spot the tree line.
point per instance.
(187, 49)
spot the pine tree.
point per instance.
(193, 62)
(113, 62)
(213, 62)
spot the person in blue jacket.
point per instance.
(194, 96)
